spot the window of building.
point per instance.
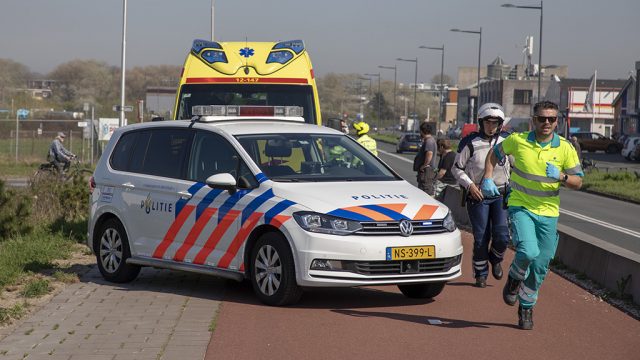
(522, 97)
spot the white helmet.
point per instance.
(490, 111)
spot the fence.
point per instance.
(35, 137)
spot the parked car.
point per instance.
(630, 146)
(591, 142)
(636, 152)
(283, 204)
(409, 142)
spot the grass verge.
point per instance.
(34, 252)
(620, 184)
(14, 312)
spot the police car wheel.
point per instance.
(422, 291)
(273, 272)
(112, 251)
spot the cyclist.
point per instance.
(58, 155)
(362, 129)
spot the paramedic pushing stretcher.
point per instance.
(543, 161)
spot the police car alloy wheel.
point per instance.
(422, 291)
(273, 271)
(112, 251)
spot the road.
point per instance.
(610, 220)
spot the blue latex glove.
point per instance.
(489, 188)
(553, 171)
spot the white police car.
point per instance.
(285, 204)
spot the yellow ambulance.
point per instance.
(248, 78)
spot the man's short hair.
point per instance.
(546, 104)
(426, 128)
(445, 143)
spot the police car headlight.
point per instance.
(326, 224)
(448, 223)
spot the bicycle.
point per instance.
(49, 172)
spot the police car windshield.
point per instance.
(243, 94)
(313, 157)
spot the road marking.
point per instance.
(396, 156)
(601, 223)
(563, 211)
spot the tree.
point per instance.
(446, 79)
(12, 75)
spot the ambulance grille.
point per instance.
(395, 267)
(393, 227)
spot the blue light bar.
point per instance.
(214, 56)
(281, 57)
(295, 45)
(200, 44)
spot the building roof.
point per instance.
(630, 81)
(498, 61)
(600, 83)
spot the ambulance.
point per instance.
(281, 203)
(254, 75)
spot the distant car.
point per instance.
(636, 152)
(630, 146)
(408, 142)
(591, 142)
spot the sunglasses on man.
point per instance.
(544, 119)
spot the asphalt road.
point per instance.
(611, 220)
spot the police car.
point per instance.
(268, 198)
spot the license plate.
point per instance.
(411, 252)
(413, 147)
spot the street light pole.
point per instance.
(395, 71)
(479, 32)
(122, 63)
(540, 41)
(379, 104)
(212, 18)
(442, 119)
(415, 85)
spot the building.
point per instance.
(627, 106)
(160, 101)
(570, 95)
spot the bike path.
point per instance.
(463, 322)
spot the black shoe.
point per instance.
(510, 291)
(496, 271)
(525, 318)
(481, 282)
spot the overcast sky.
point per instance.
(346, 36)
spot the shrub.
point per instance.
(15, 209)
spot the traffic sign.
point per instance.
(22, 113)
(82, 124)
(126, 108)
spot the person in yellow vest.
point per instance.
(362, 130)
(543, 161)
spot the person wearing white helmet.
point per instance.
(58, 155)
(488, 216)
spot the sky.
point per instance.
(346, 36)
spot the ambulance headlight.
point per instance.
(322, 223)
(448, 223)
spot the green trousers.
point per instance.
(535, 238)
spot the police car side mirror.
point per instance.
(224, 181)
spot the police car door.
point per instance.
(214, 239)
(157, 194)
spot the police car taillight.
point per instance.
(244, 110)
(92, 185)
